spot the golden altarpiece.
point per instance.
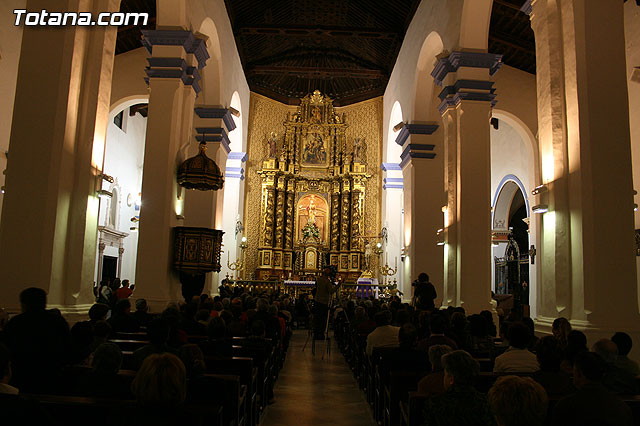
(312, 196)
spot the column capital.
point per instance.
(526, 7)
(192, 45)
(393, 183)
(242, 156)
(416, 151)
(415, 129)
(457, 60)
(466, 90)
(234, 173)
(219, 112)
(213, 134)
(390, 166)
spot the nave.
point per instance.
(313, 391)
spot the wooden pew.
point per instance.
(244, 368)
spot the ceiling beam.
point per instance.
(303, 31)
(317, 72)
(507, 4)
(506, 40)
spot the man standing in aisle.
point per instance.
(424, 293)
(324, 290)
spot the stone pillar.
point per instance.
(101, 246)
(48, 234)
(205, 208)
(423, 200)
(173, 82)
(233, 188)
(467, 99)
(392, 186)
(120, 254)
(587, 233)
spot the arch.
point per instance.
(474, 24)
(126, 102)
(525, 133)
(424, 84)
(503, 197)
(212, 73)
(235, 137)
(393, 150)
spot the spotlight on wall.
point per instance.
(234, 112)
(103, 193)
(635, 206)
(540, 208)
(539, 189)
(403, 253)
(440, 237)
(2, 189)
(495, 123)
(398, 126)
(243, 243)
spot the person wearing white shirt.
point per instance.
(384, 335)
(517, 359)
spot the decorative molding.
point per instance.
(455, 60)
(213, 134)
(234, 172)
(235, 155)
(415, 129)
(192, 45)
(466, 90)
(393, 183)
(173, 68)
(390, 166)
(526, 7)
(217, 112)
(417, 150)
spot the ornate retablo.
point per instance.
(313, 194)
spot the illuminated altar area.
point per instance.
(313, 187)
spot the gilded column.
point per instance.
(268, 216)
(344, 216)
(356, 219)
(290, 214)
(335, 217)
(281, 195)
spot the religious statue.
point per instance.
(311, 211)
(272, 143)
(367, 256)
(316, 115)
(359, 150)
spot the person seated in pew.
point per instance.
(101, 333)
(121, 319)
(81, 343)
(188, 322)
(437, 325)
(271, 323)
(142, 315)
(433, 383)
(479, 342)
(551, 377)
(367, 326)
(518, 401)
(461, 404)
(158, 334)
(576, 342)
(160, 388)
(98, 312)
(624, 343)
(592, 404)
(405, 356)
(385, 334)
(103, 380)
(217, 344)
(517, 358)
(38, 341)
(5, 372)
(616, 379)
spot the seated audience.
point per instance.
(101, 333)
(459, 329)
(592, 404)
(359, 316)
(38, 341)
(561, 327)
(479, 342)
(433, 383)
(437, 324)
(188, 322)
(405, 356)
(217, 344)
(369, 324)
(124, 292)
(81, 343)
(461, 404)
(98, 312)
(517, 358)
(555, 381)
(142, 315)
(616, 379)
(121, 319)
(488, 316)
(385, 335)
(623, 342)
(158, 335)
(576, 342)
(518, 401)
(533, 339)
(103, 381)
(271, 323)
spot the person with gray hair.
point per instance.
(616, 379)
(433, 383)
(271, 323)
(461, 404)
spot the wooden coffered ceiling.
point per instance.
(346, 49)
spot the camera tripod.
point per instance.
(327, 346)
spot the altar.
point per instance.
(313, 196)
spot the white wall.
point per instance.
(10, 42)
(124, 154)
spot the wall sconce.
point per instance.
(539, 189)
(398, 126)
(635, 206)
(440, 237)
(403, 253)
(540, 208)
(106, 177)
(243, 243)
(234, 112)
(2, 189)
(378, 249)
(103, 193)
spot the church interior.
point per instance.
(241, 149)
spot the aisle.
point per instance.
(311, 391)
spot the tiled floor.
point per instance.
(312, 391)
